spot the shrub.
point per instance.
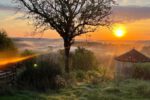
(80, 75)
(80, 59)
(141, 71)
(81, 62)
(6, 42)
(27, 53)
(83, 59)
(93, 77)
(41, 76)
(7, 47)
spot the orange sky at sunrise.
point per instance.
(134, 18)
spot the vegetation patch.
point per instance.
(41, 76)
(141, 71)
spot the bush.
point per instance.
(80, 59)
(27, 53)
(41, 76)
(141, 71)
(83, 59)
(80, 75)
(7, 47)
(81, 62)
(6, 42)
(94, 77)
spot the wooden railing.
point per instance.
(7, 76)
(9, 72)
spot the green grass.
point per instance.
(25, 95)
(126, 90)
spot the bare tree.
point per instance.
(70, 18)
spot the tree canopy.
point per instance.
(5, 42)
(68, 17)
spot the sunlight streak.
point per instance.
(5, 62)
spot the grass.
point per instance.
(126, 90)
(22, 95)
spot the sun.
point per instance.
(119, 31)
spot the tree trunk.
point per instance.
(67, 46)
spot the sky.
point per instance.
(134, 15)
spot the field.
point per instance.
(125, 90)
(107, 89)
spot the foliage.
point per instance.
(41, 76)
(5, 42)
(54, 77)
(83, 59)
(84, 65)
(27, 53)
(7, 47)
(94, 77)
(141, 71)
(80, 75)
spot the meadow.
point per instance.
(43, 78)
(127, 90)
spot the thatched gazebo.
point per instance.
(125, 62)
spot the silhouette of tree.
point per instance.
(5, 42)
(70, 18)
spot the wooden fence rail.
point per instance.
(9, 72)
(7, 76)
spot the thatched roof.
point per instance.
(133, 56)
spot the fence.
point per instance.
(7, 76)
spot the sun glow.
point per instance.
(119, 31)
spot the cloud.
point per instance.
(132, 13)
(10, 8)
(120, 13)
(134, 2)
(11, 13)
